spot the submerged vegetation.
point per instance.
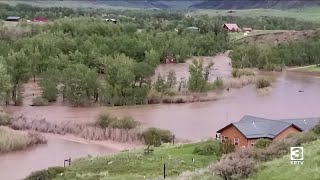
(12, 140)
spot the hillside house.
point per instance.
(13, 18)
(249, 129)
(40, 19)
(231, 27)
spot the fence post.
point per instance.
(164, 170)
(173, 139)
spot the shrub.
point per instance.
(154, 97)
(208, 148)
(237, 165)
(124, 123)
(227, 147)
(4, 119)
(155, 137)
(263, 82)
(105, 119)
(316, 129)
(234, 73)
(301, 138)
(237, 73)
(262, 143)
(39, 101)
(46, 174)
(217, 84)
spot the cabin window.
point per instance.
(236, 141)
(226, 138)
(252, 142)
(222, 138)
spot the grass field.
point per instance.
(308, 14)
(240, 35)
(311, 69)
(282, 169)
(137, 165)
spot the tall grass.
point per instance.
(4, 119)
(242, 72)
(105, 120)
(92, 132)
(263, 82)
(239, 82)
(12, 140)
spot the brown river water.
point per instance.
(193, 121)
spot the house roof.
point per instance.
(304, 123)
(255, 127)
(14, 17)
(231, 26)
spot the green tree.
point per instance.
(49, 83)
(5, 82)
(171, 79)
(18, 68)
(160, 85)
(197, 81)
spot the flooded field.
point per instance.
(293, 96)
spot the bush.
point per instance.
(124, 123)
(316, 129)
(237, 73)
(208, 148)
(155, 137)
(105, 119)
(227, 147)
(263, 82)
(237, 165)
(46, 174)
(304, 137)
(262, 143)
(154, 97)
(39, 101)
(4, 119)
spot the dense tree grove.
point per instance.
(88, 60)
(85, 59)
(297, 53)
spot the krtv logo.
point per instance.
(296, 155)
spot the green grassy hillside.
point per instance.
(282, 169)
(307, 14)
(137, 165)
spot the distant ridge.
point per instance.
(181, 4)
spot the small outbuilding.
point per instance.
(231, 27)
(13, 18)
(169, 60)
(112, 20)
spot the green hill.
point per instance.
(282, 169)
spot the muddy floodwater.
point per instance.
(17, 165)
(293, 96)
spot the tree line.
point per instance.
(88, 60)
(293, 53)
